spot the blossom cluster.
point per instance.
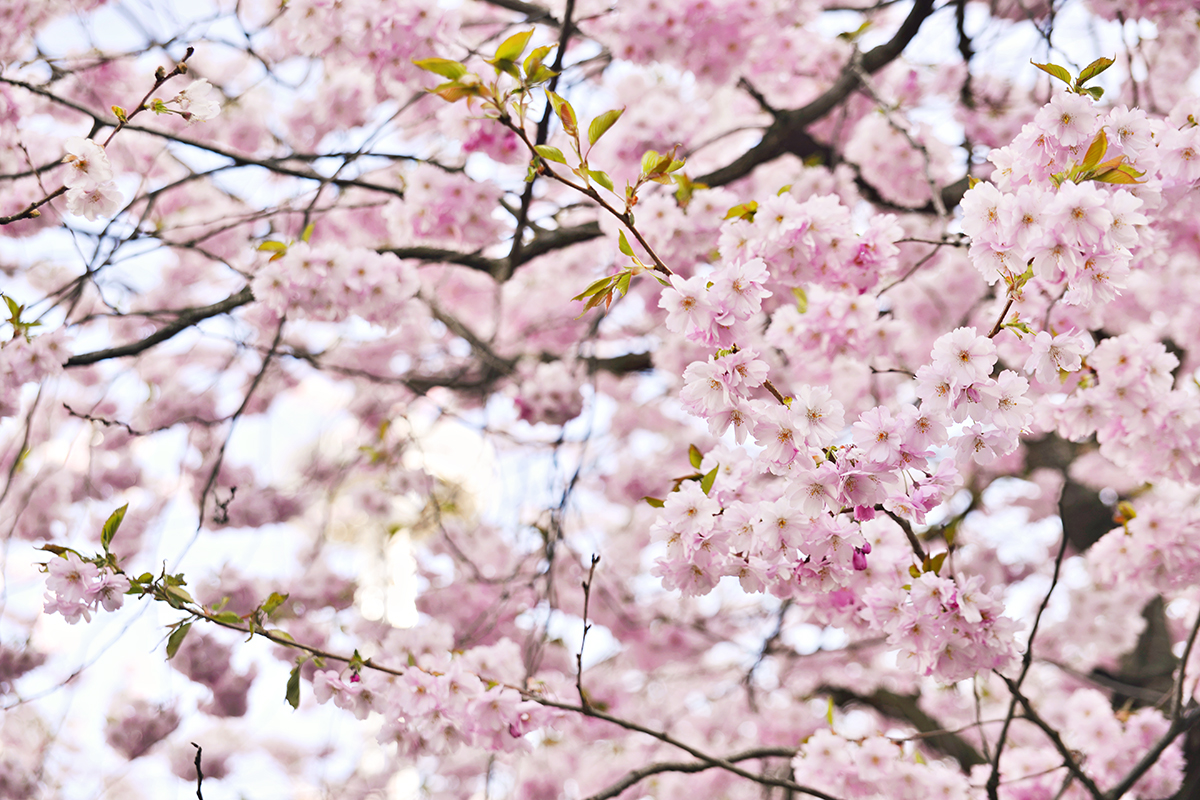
(331, 282)
(813, 242)
(949, 628)
(26, 359)
(1055, 212)
(81, 587)
(874, 767)
(549, 392)
(427, 711)
(91, 192)
(1159, 548)
(1133, 408)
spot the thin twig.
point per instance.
(993, 782)
(587, 626)
(199, 774)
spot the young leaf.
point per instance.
(1096, 151)
(595, 287)
(1096, 92)
(601, 178)
(1054, 70)
(178, 594)
(533, 62)
(442, 66)
(272, 247)
(623, 283)
(706, 483)
(176, 638)
(566, 114)
(110, 526)
(649, 159)
(624, 244)
(453, 91)
(801, 299)
(308, 232)
(743, 211)
(695, 456)
(550, 153)
(228, 617)
(512, 47)
(654, 502)
(273, 602)
(1093, 69)
(934, 564)
(602, 123)
(292, 695)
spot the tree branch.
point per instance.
(787, 133)
(186, 318)
(639, 775)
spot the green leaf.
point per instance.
(801, 299)
(566, 114)
(512, 47)
(179, 593)
(623, 283)
(623, 243)
(934, 563)
(550, 153)
(596, 287)
(1096, 92)
(442, 66)
(1096, 150)
(706, 483)
(293, 688)
(228, 617)
(110, 526)
(273, 602)
(695, 457)
(602, 123)
(1054, 70)
(453, 91)
(654, 501)
(649, 159)
(601, 178)
(272, 247)
(533, 62)
(1093, 69)
(176, 638)
(281, 634)
(914, 570)
(743, 211)
(308, 232)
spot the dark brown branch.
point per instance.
(787, 134)
(1067, 756)
(587, 626)
(543, 131)
(666, 738)
(638, 775)
(186, 318)
(905, 709)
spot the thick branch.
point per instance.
(787, 133)
(904, 708)
(638, 775)
(186, 319)
(725, 764)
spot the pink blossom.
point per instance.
(89, 166)
(93, 202)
